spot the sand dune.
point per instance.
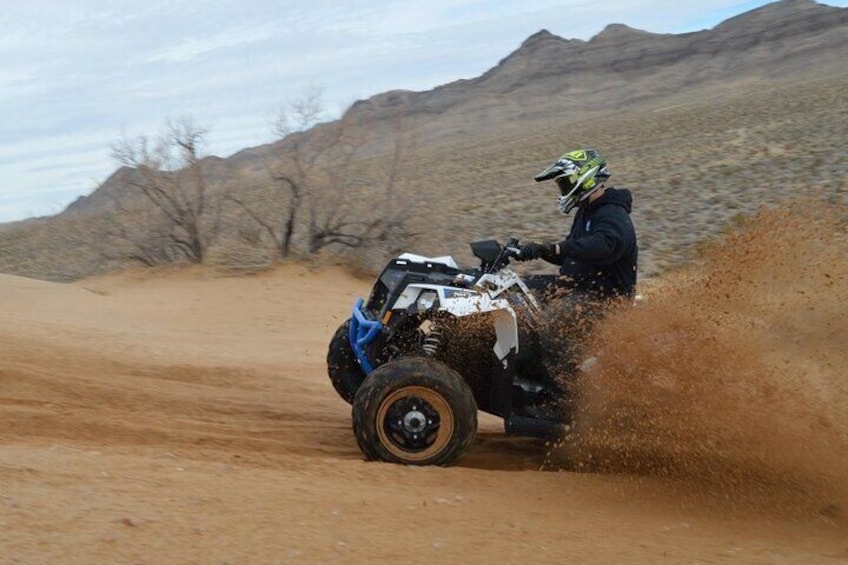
(186, 418)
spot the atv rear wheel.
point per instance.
(415, 411)
(342, 367)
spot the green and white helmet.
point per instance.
(578, 174)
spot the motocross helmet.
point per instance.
(578, 174)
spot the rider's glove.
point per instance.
(536, 250)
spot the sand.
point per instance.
(181, 417)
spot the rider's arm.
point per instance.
(556, 258)
(605, 245)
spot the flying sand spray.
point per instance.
(733, 373)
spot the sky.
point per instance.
(78, 75)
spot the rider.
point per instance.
(597, 263)
(597, 259)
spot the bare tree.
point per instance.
(138, 234)
(170, 178)
(335, 194)
(278, 219)
(300, 113)
(397, 201)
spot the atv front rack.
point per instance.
(363, 330)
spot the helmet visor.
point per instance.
(566, 183)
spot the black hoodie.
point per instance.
(599, 254)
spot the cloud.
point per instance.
(193, 47)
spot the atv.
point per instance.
(435, 343)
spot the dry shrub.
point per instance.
(239, 257)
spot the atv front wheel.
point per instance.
(342, 367)
(415, 411)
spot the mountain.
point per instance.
(756, 86)
(620, 66)
(556, 74)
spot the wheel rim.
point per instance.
(415, 423)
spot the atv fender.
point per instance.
(506, 331)
(460, 303)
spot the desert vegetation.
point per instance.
(357, 190)
(319, 191)
(165, 214)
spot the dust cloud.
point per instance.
(733, 373)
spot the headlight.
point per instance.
(426, 300)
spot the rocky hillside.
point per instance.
(621, 66)
(705, 126)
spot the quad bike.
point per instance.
(435, 343)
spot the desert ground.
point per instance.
(185, 417)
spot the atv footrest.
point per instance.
(516, 425)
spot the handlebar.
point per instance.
(513, 248)
(494, 256)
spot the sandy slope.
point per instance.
(184, 418)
